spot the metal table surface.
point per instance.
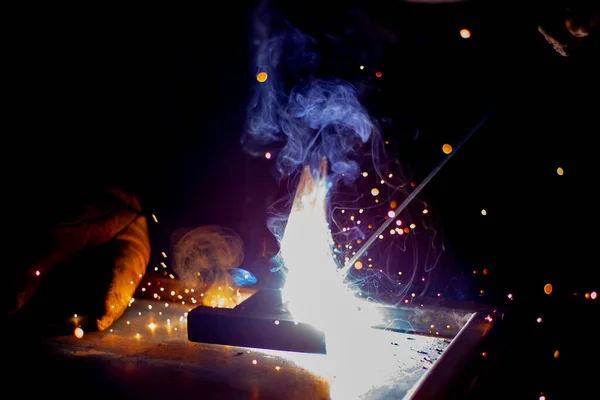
(146, 353)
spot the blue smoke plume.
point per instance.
(304, 117)
(301, 117)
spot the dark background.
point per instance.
(153, 100)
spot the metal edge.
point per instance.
(438, 378)
(230, 329)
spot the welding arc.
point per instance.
(412, 195)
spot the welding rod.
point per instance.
(412, 195)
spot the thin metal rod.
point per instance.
(412, 196)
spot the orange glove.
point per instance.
(110, 223)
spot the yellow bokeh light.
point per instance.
(358, 265)
(447, 149)
(262, 77)
(548, 288)
(393, 204)
(374, 191)
(560, 171)
(556, 354)
(78, 333)
(465, 33)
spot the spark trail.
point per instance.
(412, 196)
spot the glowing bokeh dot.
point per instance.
(78, 333)
(358, 265)
(548, 288)
(465, 33)
(447, 149)
(484, 212)
(560, 171)
(268, 155)
(374, 191)
(262, 77)
(378, 74)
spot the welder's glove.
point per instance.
(102, 239)
(569, 27)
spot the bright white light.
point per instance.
(315, 291)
